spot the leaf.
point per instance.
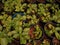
(57, 35)
(57, 28)
(15, 35)
(1, 17)
(22, 41)
(20, 30)
(1, 27)
(4, 41)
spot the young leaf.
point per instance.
(4, 41)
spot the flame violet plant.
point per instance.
(24, 22)
(16, 27)
(14, 5)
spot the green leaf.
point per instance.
(15, 35)
(1, 27)
(57, 35)
(22, 41)
(4, 41)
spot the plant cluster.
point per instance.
(24, 22)
(19, 27)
